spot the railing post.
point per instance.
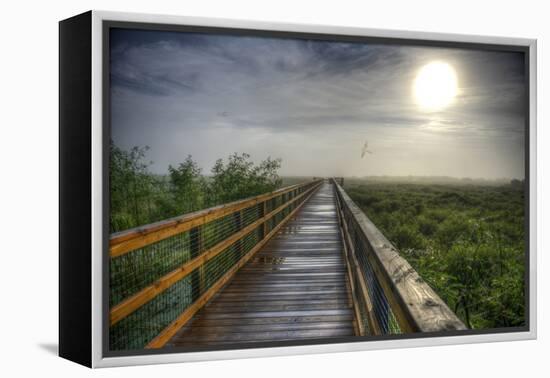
(197, 277)
(238, 224)
(263, 213)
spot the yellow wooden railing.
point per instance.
(161, 274)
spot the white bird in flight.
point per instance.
(364, 150)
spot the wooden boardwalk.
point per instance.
(295, 288)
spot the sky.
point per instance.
(313, 104)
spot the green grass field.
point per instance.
(466, 239)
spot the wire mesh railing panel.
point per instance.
(385, 316)
(362, 306)
(137, 269)
(140, 327)
(251, 214)
(218, 230)
(218, 266)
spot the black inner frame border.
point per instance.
(107, 25)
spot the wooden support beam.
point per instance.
(195, 245)
(264, 212)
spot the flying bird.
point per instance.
(364, 150)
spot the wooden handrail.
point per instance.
(138, 237)
(415, 305)
(354, 271)
(131, 304)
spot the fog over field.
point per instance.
(315, 103)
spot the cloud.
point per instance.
(180, 92)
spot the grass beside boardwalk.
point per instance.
(466, 239)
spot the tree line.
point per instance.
(138, 196)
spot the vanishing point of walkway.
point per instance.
(295, 288)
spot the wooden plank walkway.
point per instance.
(295, 288)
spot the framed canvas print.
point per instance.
(232, 189)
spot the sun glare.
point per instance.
(435, 86)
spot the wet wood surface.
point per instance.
(294, 288)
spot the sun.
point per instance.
(435, 86)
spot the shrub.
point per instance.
(427, 226)
(407, 237)
(451, 230)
